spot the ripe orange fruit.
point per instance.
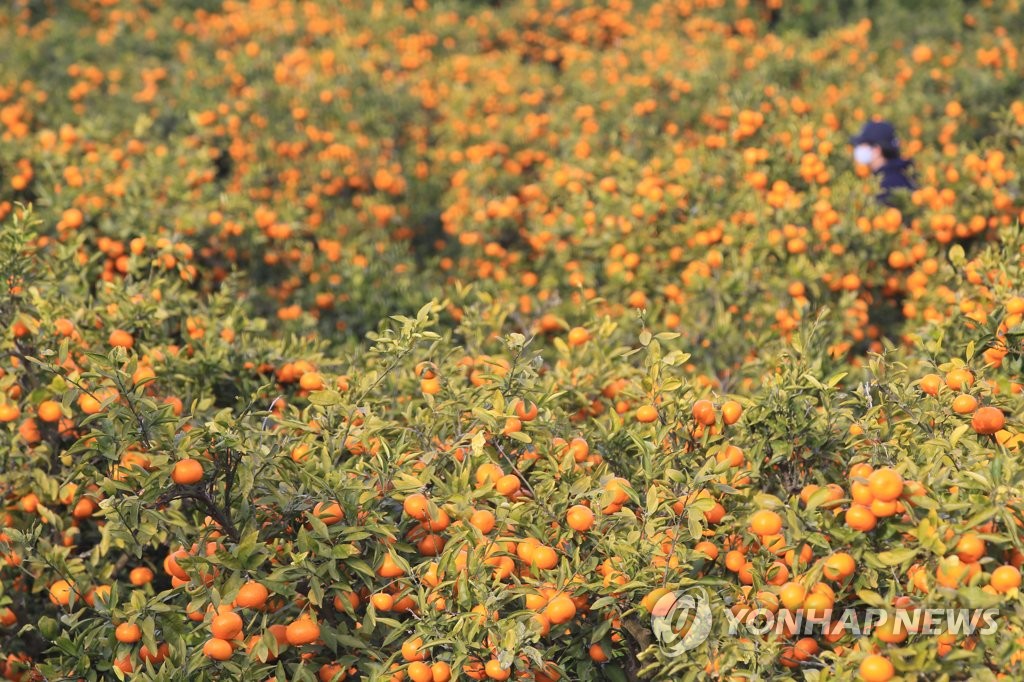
(303, 630)
(9, 411)
(279, 633)
(875, 668)
(579, 448)
(637, 299)
(526, 410)
(882, 508)
(311, 381)
(730, 455)
(416, 506)
(64, 326)
(140, 575)
(483, 520)
(860, 518)
(60, 592)
(252, 595)
(561, 609)
(765, 522)
(49, 411)
(731, 412)
(970, 548)
(512, 425)
(100, 592)
(965, 403)
(332, 672)
(704, 412)
(1005, 578)
(524, 550)
(124, 664)
(441, 672)
(707, 548)
(508, 485)
(541, 624)
(412, 649)
(328, 512)
(128, 633)
(578, 336)
(987, 420)
(218, 649)
(805, 648)
(580, 518)
(418, 671)
(891, 631)
(226, 625)
(425, 370)
(187, 471)
(885, 484)
(382, 601)
(121, 338)
(776, 573)
(839, 566)
(431, 545)
(931, 383)
(495, 671)
(959, 379)
(155, 657)
(351, 598)
(172, 565)
(734, 560)
(860, 470)
(951, 572)
(389, 568)
(597, 653)
(817, 604)
(646, 414)
(651, 599)
(792, 595)
(861, 493)
(544, 557)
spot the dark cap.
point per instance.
(879, 133)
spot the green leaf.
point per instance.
(653, 498)
(614, 673)
(957, 255)
(835, 379)
(872, 598)
(817, 497)
(48, 628)
(693, 521)
(958, 433)
(702, 504)
(325, 398)
(977, 598)
(896, 557)
(980, 517)
(477, 443)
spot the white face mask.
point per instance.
(863, 154)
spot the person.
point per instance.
(877, 147)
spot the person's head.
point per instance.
(875, 144)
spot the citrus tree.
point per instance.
(438, 342)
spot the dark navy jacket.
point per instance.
(894, 176)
